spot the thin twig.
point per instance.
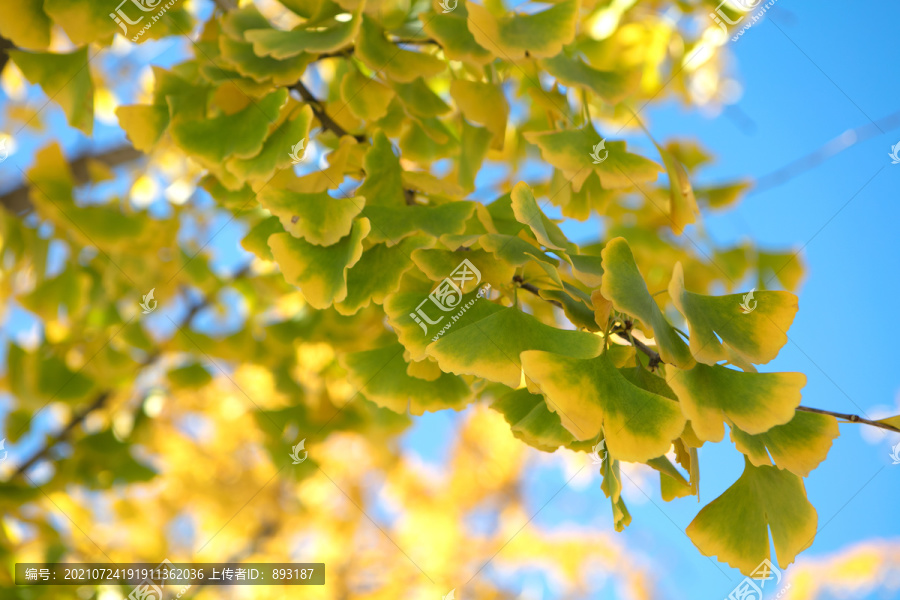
(104, 396)
(849, 418)
(318, 109)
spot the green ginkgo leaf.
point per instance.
(490, 347)
(274, 155)
(531, 421)
(420, 99)
(756, 334)
(438, 263)
(286, 44)
(391, 224)
(754, 402)
(239, 55)
(319, 271)
(590, 394)
(514, 36)
(317, 218)
(514, 250)
(527, 212)
(570, 150)
(242, 134)
(66, 78)
(365, 97)
(798, 446)
(418, 320)
(473, 148)
(396, 63)
(378, 273)
(452, 33)
(735, 526)
(380, 375)
(611, 86)
(384, 184)
(624, 286)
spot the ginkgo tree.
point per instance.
(415, 267)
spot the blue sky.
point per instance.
(809, 71)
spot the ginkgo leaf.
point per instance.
(65, 78)
(26, 24)
(144, 124)
(383, 185)
(380, 375)
(624, 286)
(365, 97)
(683, 208)
(257, 239)
(531, 421)
(391, 224)
(452, 32)
(416, 329)
(420, 99)
(274, 155)
(319, 271)
(286, 44)
(754, 402)
(756, 336)
(527, 212)
(611, 86)
(317, 218)
(514, 250)
(396, 63)
(85, 21)
(484, 104)
(671, 482)
(799, 445)
(590, 394)
(239, 54)
(240, 134)
(378, 273)
(892, 421)
(735, 526)
(490, 347)
(437, 264)
(575, 303)
(473, 148)
(570, 151)
(514, 36)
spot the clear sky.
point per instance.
(808, 72)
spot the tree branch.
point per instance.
(17, 201)
(317, 108)
(849, 418)
(101, 399)
(655, 361)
